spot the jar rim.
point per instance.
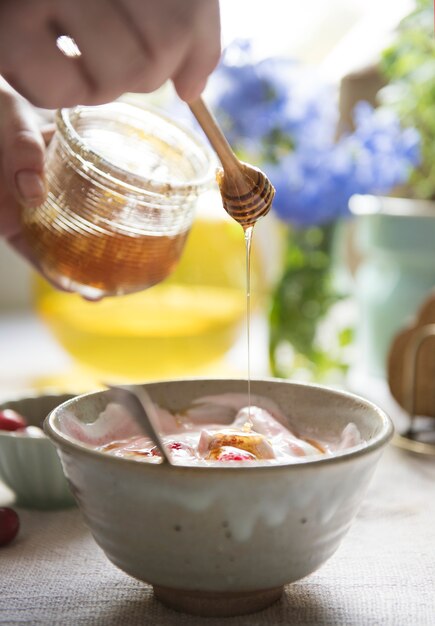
(131, 180)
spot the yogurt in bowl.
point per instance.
(212, 430)
(221, 536)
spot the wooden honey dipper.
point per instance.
(246, 191)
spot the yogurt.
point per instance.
(215, 430)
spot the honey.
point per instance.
(120, 263)
(246, 200)
(122, 188)
(249, 441)
(247, 196)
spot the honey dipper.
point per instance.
(246, 191)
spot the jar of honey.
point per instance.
(123, 181)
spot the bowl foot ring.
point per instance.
(217, 604)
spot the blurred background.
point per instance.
(318, 309)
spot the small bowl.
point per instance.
(224, 540)
(30, 466)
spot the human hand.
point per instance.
(22, 151)
(125, 45)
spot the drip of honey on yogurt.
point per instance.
(246, 196)
(246, 192)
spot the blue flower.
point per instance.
(283, 117)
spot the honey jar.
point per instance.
(123, 181)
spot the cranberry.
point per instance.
(9, 525)
(235, 456)
(175, 445)
(11, 420)
(180, 450)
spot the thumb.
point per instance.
(23, 153)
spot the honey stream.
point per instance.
(248, 243)
(246, 208)
(246, 192)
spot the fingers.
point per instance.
(47, 131)
(164, 29)
(30, 60)
(22, 152)
(46, 78)
(112, 55)
(21, 171)
(125, 45)
(184, 47)
(19, 243)
(203, 54)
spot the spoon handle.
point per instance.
(209, 125)
(137, 400)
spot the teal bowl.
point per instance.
(30, 466)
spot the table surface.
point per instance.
(383, 572)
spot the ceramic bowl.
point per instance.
(30, 466)
(224, 540)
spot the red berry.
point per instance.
(11, 420)
(180, 450)
(236, 456)
(9, 525)
(175, 445)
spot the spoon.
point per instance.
(246, 191)
(137, 400)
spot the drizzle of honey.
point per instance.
(246, 208)
(248, 441)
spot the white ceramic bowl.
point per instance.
(224, 541)
(30, 466)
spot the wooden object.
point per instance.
(411, 363)
(362, 84)
(246, 191)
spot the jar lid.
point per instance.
(138, 146)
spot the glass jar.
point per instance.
(122, 186)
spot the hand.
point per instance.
(125, 45)
(22, 150)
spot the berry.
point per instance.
(235, 455)
(180, 450)
(11, 420)
(175, 445)
(9, 525)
